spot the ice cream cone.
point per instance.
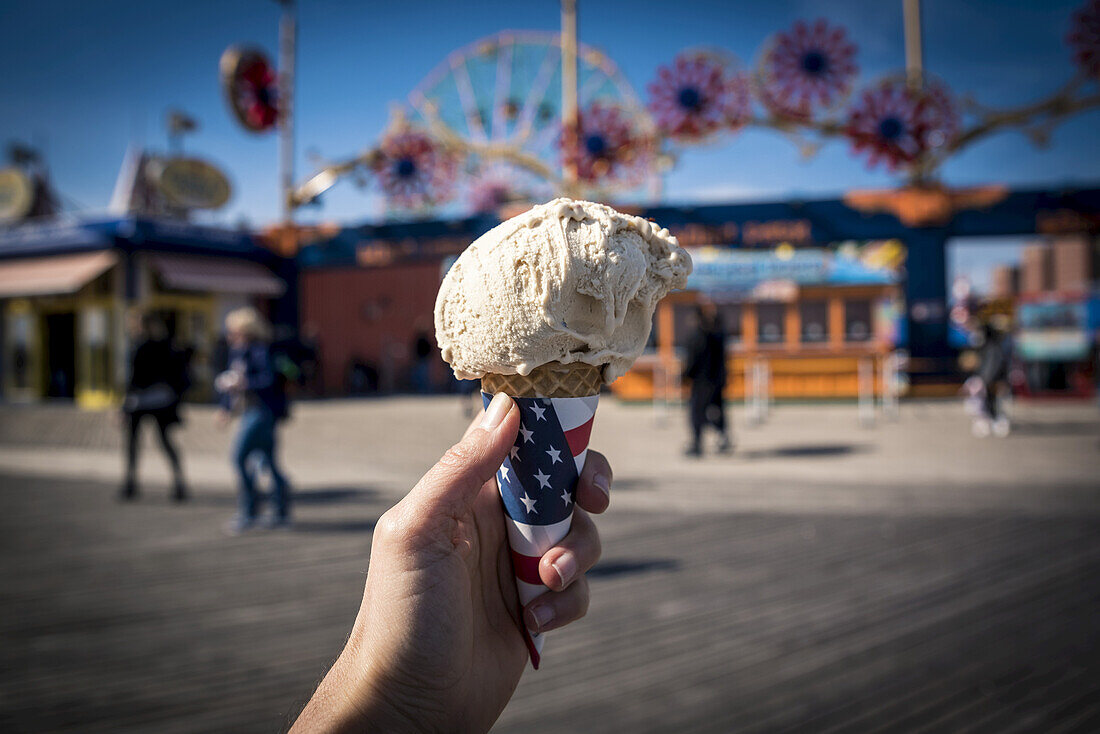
(553, 380)
(538, 480)
(567, 277)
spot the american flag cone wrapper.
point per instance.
(538, 486)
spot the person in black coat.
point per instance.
(994, 357)
(158, 378)
(706, 369)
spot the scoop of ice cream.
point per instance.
(568, 281)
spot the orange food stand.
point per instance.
(812, 336)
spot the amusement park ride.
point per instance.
(524, 115)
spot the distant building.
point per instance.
(1057, 316)
(1004, 282)
(1071, 264)
(65, 283)
(368, 293)
(813, 315)
(1036, 269)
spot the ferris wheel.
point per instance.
(498, 101)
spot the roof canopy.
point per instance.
(982, 211)
(216, 274)
(127, 233)
(38, 276)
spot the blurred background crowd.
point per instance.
(889, 257)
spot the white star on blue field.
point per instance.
(538, 480)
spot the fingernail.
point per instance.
(566, 567)
(539, 617)
(603, 484)
(494, 414)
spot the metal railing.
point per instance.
(758, 390)
(879, 384)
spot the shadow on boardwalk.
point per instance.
(313, 496)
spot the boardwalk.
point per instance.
(821, 580)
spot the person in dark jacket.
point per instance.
(158, 378)
(252, 385)
(706, 369)
(993, 364)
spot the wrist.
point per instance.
(355, 696)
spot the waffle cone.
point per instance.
(552, 380)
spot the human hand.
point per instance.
(437, 644)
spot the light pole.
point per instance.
(914, 68)
(569, 119)
(288, 30)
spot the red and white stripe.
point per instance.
(575, 416)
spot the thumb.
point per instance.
(459, 475)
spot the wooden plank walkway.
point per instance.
(146, 617)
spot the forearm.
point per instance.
(350, 700)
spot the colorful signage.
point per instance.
(773, 274)
(750, 234)
(190, 183)
(718, 271)
(1053, 345)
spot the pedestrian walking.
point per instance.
(706, 369)
(993, 363)
(252, 387)
(157, 380)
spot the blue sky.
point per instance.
(84, 79)
(975, 257)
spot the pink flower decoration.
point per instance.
(256, 94)
(896, 125)
(1084, 38)
(413, 169)
(806, 67)
(489, 194)
(697, 96)
(609, 146)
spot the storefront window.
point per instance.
(771, 323)
(730, 314)
(21, 346)
(684, 324)
(94, 332)
(814, 316)
(857, 320)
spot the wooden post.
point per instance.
(836, 323)
(666, 325)
(749, 337)
(666, 341)
(793, 326)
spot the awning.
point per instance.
(216, 275)
(61, 274)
